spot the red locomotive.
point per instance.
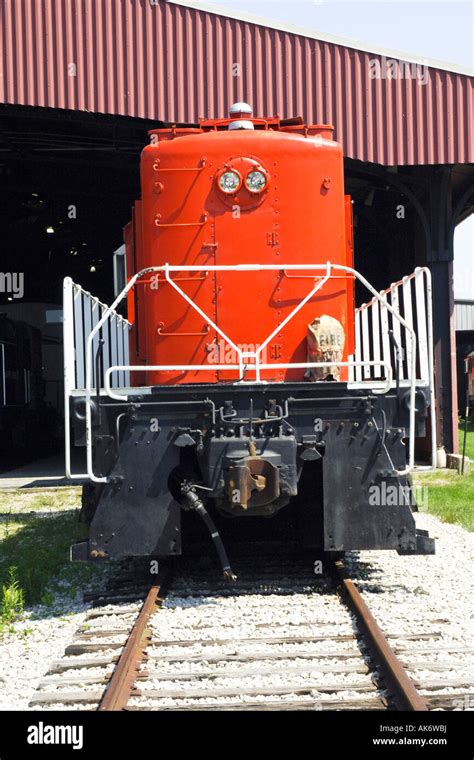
(245, 391)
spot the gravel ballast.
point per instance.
(434, 593)
(38, 640)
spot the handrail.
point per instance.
(328, 267)
(75, 299)
(402, 292)
(383, 386)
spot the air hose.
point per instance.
(192, 501)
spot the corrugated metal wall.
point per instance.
(175, 63)
(464, 315)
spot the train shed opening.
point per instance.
(67, 182)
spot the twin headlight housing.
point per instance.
(230, 181)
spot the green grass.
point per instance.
(469, 438)
(12, 602)
(39, 500)
(36, 531)
(449, 496)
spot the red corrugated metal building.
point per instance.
(405, 123)
(178, 61)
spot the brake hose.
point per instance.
(195, 503)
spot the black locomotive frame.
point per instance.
(332, 445)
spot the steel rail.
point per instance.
(119, 688)
(400, 685)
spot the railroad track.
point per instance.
(280, 638)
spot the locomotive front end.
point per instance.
(253, 386)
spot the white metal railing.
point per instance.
(374, 356)
(255, 365)
(410, 298)
(82, 313)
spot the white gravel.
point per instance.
(39, 639)
(25, 657)
(433, 594)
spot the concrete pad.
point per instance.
(454, 462)
(43, 473)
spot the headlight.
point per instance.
(229, 182)
(256, 181)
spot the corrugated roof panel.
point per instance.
(175, 63)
